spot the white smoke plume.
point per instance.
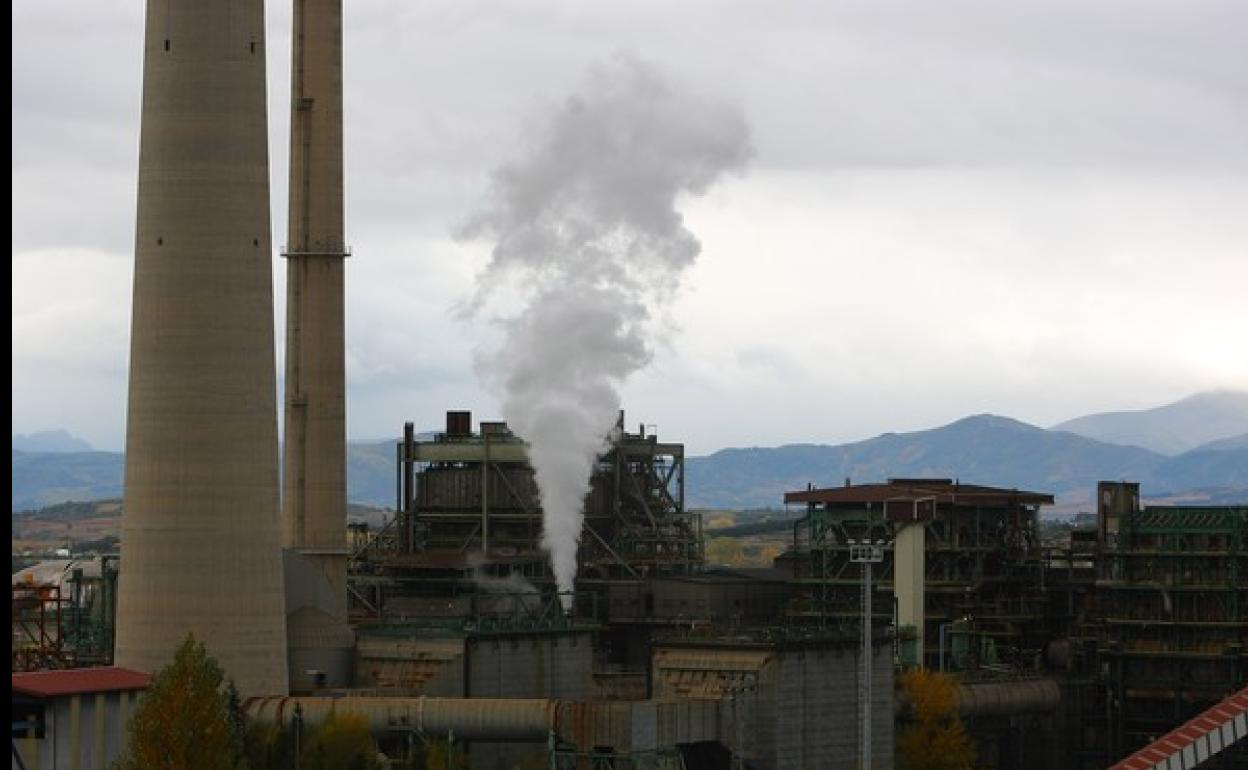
(587, 234)
(513, 583)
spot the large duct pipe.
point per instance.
(493, 719)
(625, 725)
(199, 535)
(998, 698)
(1004, 698)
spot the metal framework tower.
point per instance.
(314, 500)
(865, 554)
(200, 539)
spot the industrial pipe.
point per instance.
(998, 698)
(495, 719)
(1005, 698)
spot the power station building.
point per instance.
(446, 621)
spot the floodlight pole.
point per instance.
(866, 554)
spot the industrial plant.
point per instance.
(1125, 646)
(1070, 654)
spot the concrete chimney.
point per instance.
(314, 490)
(200, 538)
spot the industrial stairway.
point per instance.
(1201, 738)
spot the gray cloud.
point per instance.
(1083, 164)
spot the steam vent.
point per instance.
(200, 530)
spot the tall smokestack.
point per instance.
(200, 537)
(314, 492)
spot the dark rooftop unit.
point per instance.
(945, 491)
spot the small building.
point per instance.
(787, 700)
(72, 718)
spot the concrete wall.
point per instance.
(82, 732)
(410, 665)
(790, 707)
(817, 710)
(519, 665)
(909, 568)
(534, 666)
(199, 534)
(526, 666)
(317, 638)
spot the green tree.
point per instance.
(936, 739)
(183, 720)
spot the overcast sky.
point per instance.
(1036, 209)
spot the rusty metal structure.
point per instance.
(38, 617)
(1141, 621)
(468, 510)
(1201, 741)
(65, 618)
(1166, 631)
(980, 575)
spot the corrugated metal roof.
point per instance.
(73, 681)
(945, 491)
(56, 571)
(1199, 738)
(706, 673)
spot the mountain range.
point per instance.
(50, 441)
(1171, 429)
(982, 449)
(47, 478)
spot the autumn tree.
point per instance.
(270, 747)
(341, 742)
(183, 720)
(936, 739)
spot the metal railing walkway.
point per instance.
(1214, 731)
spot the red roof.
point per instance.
(75, 681)
(946, 492)
(1194, 730)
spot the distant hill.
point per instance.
(1233, 442)
(50, 441)
(46, 478)
(1171, 429)
(1213, 496)
(72, 511)
(371, 472)
(96, 525)
(1200, 469)
(984, 449)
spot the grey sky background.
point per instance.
(1037, 209)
